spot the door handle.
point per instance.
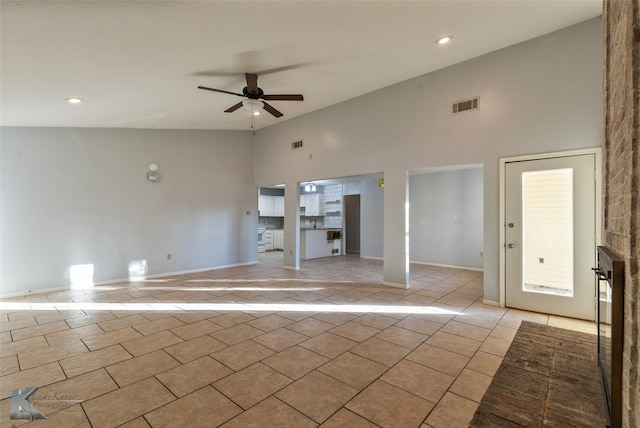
(511, 245)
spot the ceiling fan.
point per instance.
(255, 95)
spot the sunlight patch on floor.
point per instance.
(259, 307)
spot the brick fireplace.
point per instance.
(621, 176)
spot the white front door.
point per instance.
(550, 234)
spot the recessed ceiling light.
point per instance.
(444, 40)
(73, 100)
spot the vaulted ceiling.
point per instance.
(138, 64)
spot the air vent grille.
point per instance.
(296, 144)
(466, 105)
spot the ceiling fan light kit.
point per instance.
(254, 106)
(255, 97)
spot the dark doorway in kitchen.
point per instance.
(352, 224)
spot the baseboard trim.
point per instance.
(37, 291)
(449, 266)
(430, 264)
(395, 285)
(490, 303)
(117, 281)
(182, 272)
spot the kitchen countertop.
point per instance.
(320, 228)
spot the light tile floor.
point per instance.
(260, 346)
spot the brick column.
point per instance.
(621, 175)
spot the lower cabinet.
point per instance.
(278, 239)
(314, 244)
(268, 240)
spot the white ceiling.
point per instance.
(138, 64)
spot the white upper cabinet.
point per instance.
(278, 206)
(265, 205)
(313, 204)
(271, 206)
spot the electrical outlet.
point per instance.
(310, 155)
(169, 256)
(291, 252)
(248, 212)
(481, 253)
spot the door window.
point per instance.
(547, 231)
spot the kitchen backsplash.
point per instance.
(309, 222)
(333, 222)
(271, 222)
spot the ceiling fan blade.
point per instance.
(252, 83)
(220, 90)
(233, 108)
(270, 109)
(246, 64)
(291, 97)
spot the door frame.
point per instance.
(502, 218)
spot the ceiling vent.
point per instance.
(296, 144)
(466, 105)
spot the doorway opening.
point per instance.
(352, 224)
(271, 221)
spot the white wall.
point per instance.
(445, 218)
(80, 196)
(540, 96)
(371, 218)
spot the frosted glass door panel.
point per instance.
(547, 231)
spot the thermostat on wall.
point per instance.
(153, 175)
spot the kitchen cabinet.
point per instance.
(265, 205)
(278, 239)
(314, 244)
(278, 206)
(313, 204)
(268, 240)
(271, 206)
